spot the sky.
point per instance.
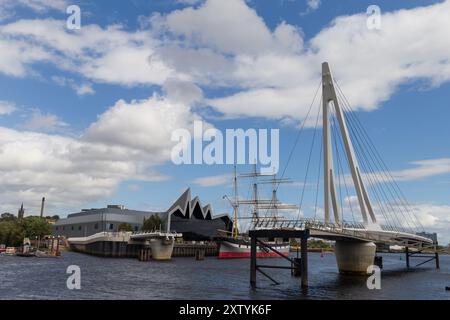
(86, 115)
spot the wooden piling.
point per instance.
(407, 257)
(284, 234)
(200, 254)
(304, 262)
(144, 254)
(437, 259)
(296, 267)
(253, 262)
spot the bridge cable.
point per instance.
(309, 162)
(367, 167)
(318, 175)
(378, 161)
(296, 141)
(379, 183)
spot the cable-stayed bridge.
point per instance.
(355, 180)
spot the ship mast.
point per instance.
(272, 204)
(235, 231)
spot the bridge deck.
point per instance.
(349, 232)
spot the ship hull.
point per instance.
(241, 250)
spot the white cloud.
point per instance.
(44, 122)
(44, 5)
(141, 126)
(273, 73)
(435, 218)
(246, 32)
(182, 91)
(278, 80)
(423, 169)
(7, 7)
(81, 89)
(313, 4)
(108, 55)
(84, 89)
(126, 143)
(7, 108)
(213, 181)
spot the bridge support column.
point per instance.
(354, 257)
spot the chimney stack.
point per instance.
(42, 207)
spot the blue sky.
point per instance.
(71, 100)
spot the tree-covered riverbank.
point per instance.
(14, 230)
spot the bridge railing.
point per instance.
(300, 223)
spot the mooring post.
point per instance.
(253, 262)
(407, 257)
(437, 257)
(304, 262)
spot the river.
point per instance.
(186, 278)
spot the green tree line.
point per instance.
(151, 224)
(13, 230)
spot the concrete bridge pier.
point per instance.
(354, 257)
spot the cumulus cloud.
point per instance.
(182, 91)
(273, 72)
(126, 143)
(143, 126)
(108, 54)
(434, 218)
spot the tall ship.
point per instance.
(264, 214)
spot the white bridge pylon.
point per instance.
(330, 198)
(370, 230)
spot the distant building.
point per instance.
(21, 212)
(432, 236)
(187, 217)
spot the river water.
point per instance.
(186, 278)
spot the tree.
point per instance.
(7, 216)
(11, 233)
(125, 227)
(13, 230)
(151, 224)
(36, 227)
